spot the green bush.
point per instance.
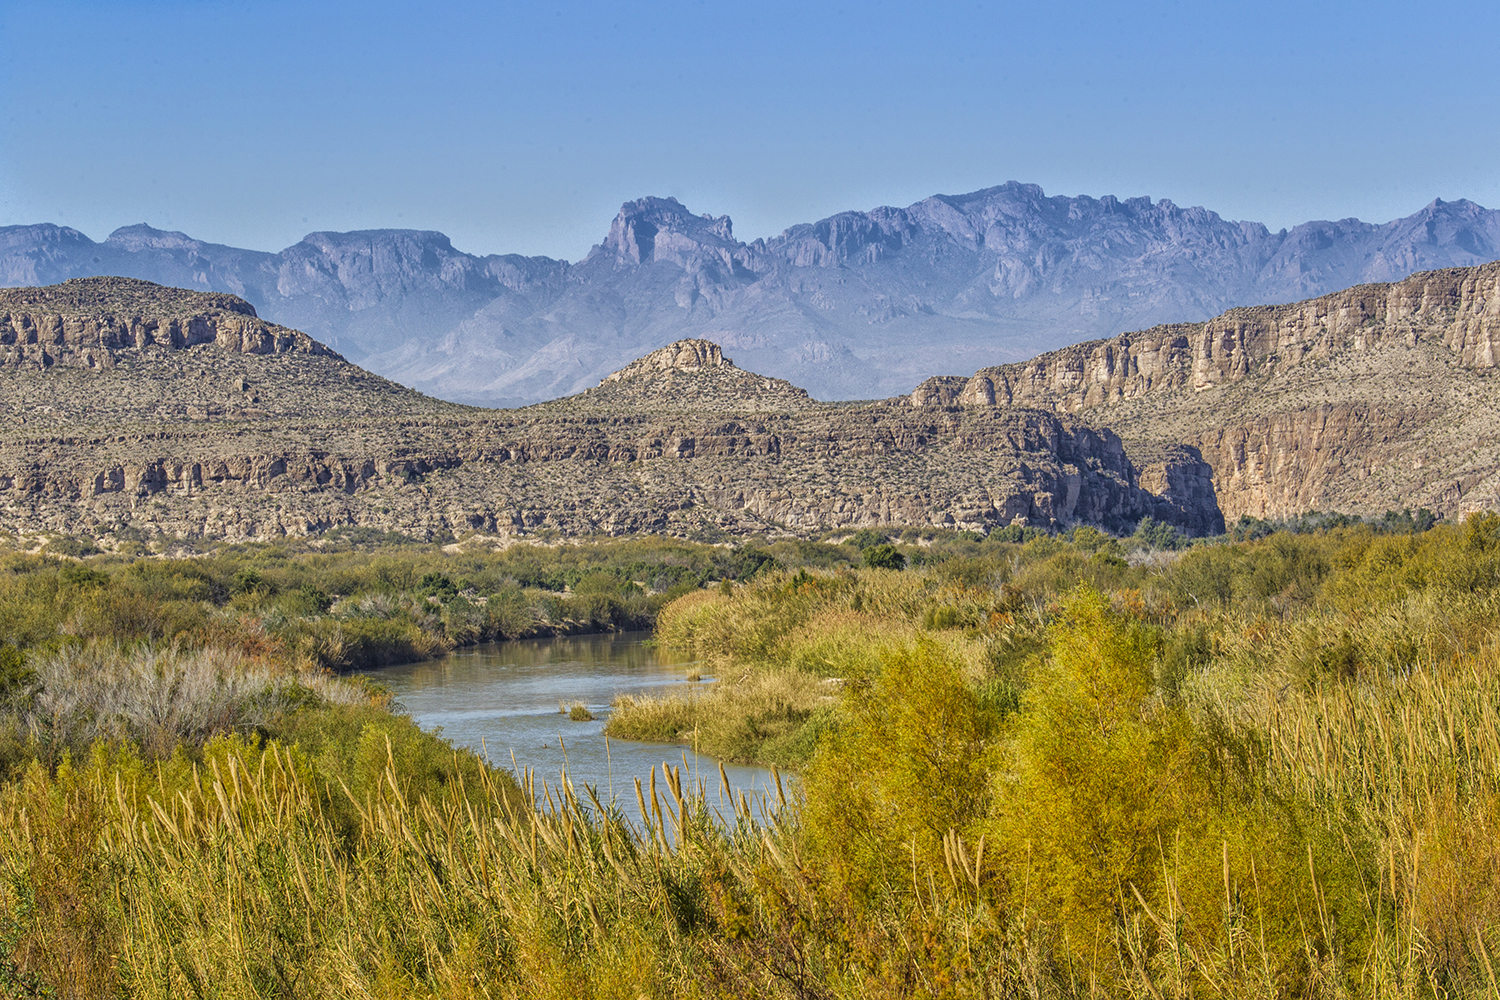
(884, 557)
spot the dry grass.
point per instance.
(784, 647)
(228, 879)
(165, 697)
(232, 877)
(765, 716)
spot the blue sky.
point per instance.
(521, 128)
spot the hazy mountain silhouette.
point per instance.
(858, 305)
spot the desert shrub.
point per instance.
(508, 615)
(1157, 534)
(17, 677)
(464, 622)
(1282, 572)
(744, 563)
(1098, 769)
(73, 547)
(160, 698)
(908, 764)
(118, 615)
(307, 600)
(437, 585)
(883, 557)
(1115, 809)
(358, 642)
(982, 571)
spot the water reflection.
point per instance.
(503, 698)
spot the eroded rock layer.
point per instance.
(693, 374)
(200, 437)
(87, 322)
(1377, 397)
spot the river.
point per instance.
(503, 699)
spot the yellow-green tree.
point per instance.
(1098, 773)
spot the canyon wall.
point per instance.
(825, 468)
(126, 405)
(1458, 309)
(1351, 398)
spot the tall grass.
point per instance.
(165, 697)
(235, 877)
(784, 647)
(1255, 770)
(229, 879)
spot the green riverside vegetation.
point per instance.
(1028, 766)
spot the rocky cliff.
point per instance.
(730, 477)
(859, 304)
(211, 439)
(88, 322)
(1380, 396)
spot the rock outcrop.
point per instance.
(694, 375)
(1372, 398)
(850, 467)
(88, 322)
(1458, 309)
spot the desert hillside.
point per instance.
(138, 408)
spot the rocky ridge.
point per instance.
(88, 322)
(1377, 397)
(207, 439)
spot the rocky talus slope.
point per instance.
(1377, 397)
(132, 406)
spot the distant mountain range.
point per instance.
(858, 305)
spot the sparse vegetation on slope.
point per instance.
(126, 421)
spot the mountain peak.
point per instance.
(364, 238)
(145, 237)
(641, 223)
(858, 304)
(692, 354)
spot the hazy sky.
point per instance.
(522, 127)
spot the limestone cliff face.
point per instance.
(1287, 463)
(583, 472)
(1346, 399)
(89, 321)
(1458, 308)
